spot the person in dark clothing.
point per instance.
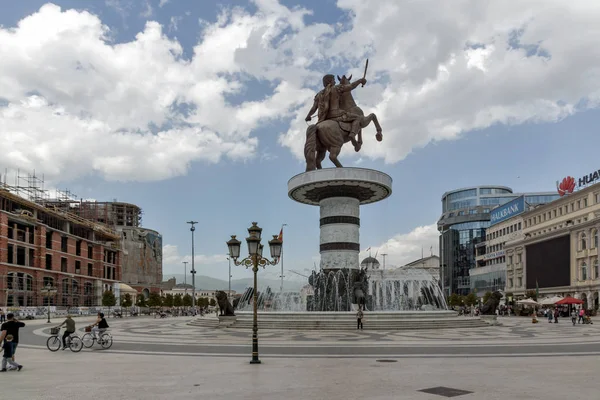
(70, 329)
(7, 357)
(359, 317)
(100, 326)
(11, 327)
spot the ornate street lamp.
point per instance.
(48, 290)
(255, 258)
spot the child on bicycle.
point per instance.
(8, 353)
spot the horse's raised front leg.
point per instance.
(334, 151)
(373, 117)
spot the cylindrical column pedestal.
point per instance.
(340, 223)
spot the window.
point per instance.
(519, 282)
(582, 241)
(461, 213)
(519, 226)
(64, 244)
(63, 264)
(560, 211)
(597, 197)
(472, 211)
(49, 262)
(78, 248)
(595, 268)
(510, 260)
(585, 202)
(48, 281)
(595, 239)
(49, 240)
(77, 267)
(519, 256)
(583, 271)
(90, 269)
(486, 210)
(90, 251)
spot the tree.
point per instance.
(168, 302)
(187, 300)
(141, 301)
(454, 300)
(471, 299)
(531, 294)
(486, 296)
(212, 302)
(154, 300)
(126, 301)
(177, 300)
(202, 302)
(109, 299)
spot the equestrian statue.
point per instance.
(340, 121)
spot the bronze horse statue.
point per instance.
(331, 135)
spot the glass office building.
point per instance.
(462, 226)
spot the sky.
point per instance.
(195, 110)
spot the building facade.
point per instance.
(465, 218)
(41, 246)
(142, 247)
(557, 250)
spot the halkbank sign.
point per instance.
(508, 210)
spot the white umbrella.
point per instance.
(548, 301)
(528, 302)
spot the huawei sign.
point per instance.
(567, 186)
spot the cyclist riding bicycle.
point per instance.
(100, 326)
(68, 331)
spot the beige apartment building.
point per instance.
(557, 249)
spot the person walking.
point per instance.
(556, 315)
(573, 316)
(581, 314)
(11, 327)
(359, 318)
(7, 357)
(2, 316)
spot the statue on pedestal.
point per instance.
(340, 121)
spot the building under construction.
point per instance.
(113, 224)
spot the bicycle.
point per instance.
(54, 342)
(88, 339)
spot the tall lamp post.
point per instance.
(229, 293)
(254, 259)
(193, 271)
(47, 291)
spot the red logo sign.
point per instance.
(567, 186)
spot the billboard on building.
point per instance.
(508, 210)
(549, 263)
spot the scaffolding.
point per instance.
(29, 192)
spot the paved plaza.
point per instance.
(155, 358)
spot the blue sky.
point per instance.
(194, 110)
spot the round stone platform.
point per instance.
(365, 185)
(339, 193)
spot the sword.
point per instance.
(365, 74)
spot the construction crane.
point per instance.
(298, 273)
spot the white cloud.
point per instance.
(174, 24)
(436, 71)
(404, 248)
(162, 3)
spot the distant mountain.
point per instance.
(239, 285)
